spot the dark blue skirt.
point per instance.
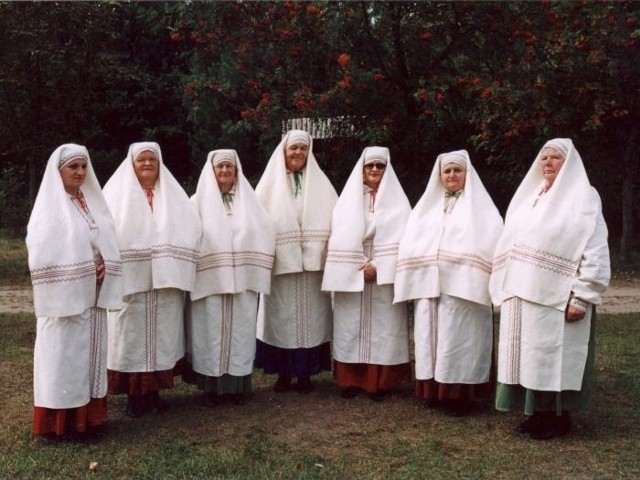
(293, 362)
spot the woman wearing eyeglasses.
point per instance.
(370, 333)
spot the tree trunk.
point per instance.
(627, 196)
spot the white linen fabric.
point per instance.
(351, 220)
(159, 248)
(64, 242)
(539, 254)
(222, 334)
(453, 340)
(449, 252)
(300, 243)
(237, 249)
(147, 334)
(70, 360)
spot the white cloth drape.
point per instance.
(64, 242)
(237, 249)
(300, 245)
(159, 248)
(449, 253)
(346, 244)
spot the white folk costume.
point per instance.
(159, 235)
(294, 322)
(444, 264)
(368, 329)
(67, 236)
(234, 266)
(553, 253)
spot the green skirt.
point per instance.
(223, 385)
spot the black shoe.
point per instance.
(211, 399)
(530, 424)
(303, 385)
(135, 406)
(380, 395)
(432, 403)
(455, 408)
(283, 384)
(552, 426)
(154, 402)
(350, 392)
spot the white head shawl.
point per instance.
(159, 249)
(298, 247)
(61, 257)
(237, 250)
(452, 257)
(346, 254)
(538, 255)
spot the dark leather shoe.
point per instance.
(349, 392)
(303, 385)
(530, 424)
(283, 384)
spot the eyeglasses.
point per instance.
(379, 166)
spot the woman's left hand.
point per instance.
(574, 314)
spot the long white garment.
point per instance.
(296, 314)
(222, 334)
(554, 245)
(453, 340)
(70, 360)
(538, 349)
(147, 334)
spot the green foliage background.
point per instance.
(496, 78)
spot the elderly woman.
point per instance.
(370, 333)
(234, 266)
(550, 270)
(159, 234)
(76, 274)
(444, 265)
(294, 322)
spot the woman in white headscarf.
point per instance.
(159, 234)
(370, 333)
(294, 322)
(234, 266)
(76, 275)
(444, 264)
(551, 268)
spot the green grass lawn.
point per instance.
(323, 436)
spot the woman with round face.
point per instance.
(159, 234)
(234, 267)
(294, 321)
(444, 264)
(550, 270)
(75, 279)
(370, 333)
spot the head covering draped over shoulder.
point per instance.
(62, 260)
(237, 251)
(449, 253)
(538, 255)
(346, 252)
(299, 246)
(159, 248)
